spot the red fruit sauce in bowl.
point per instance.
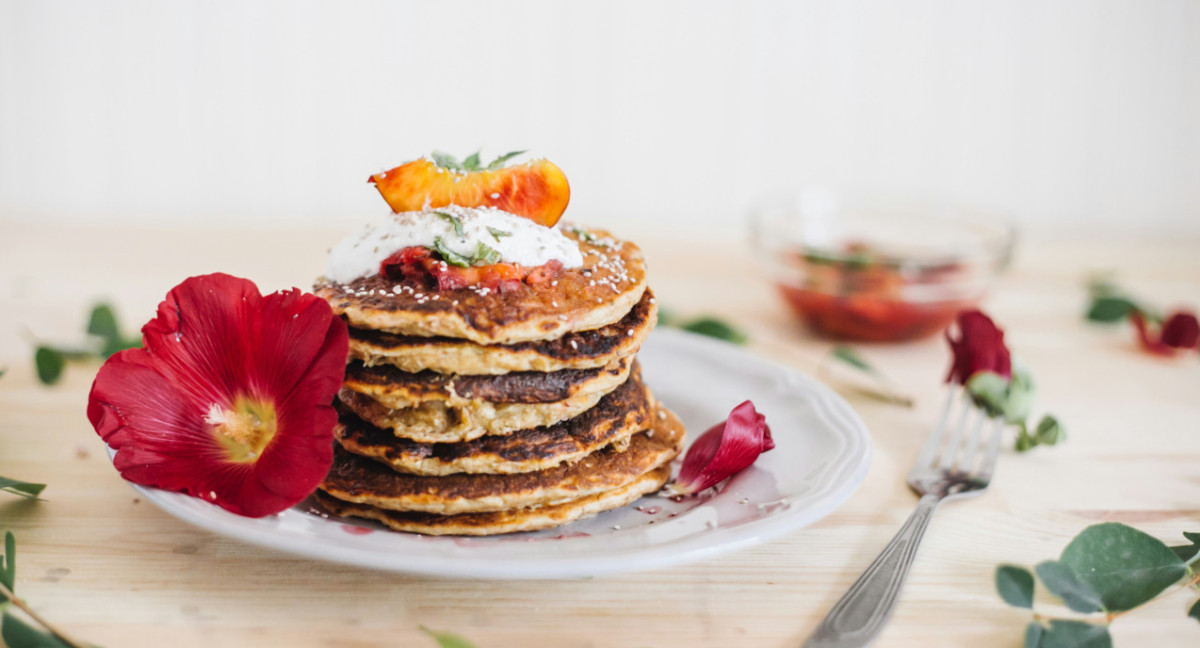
(878, 272)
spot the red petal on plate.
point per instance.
(1181, 331)
(979, 347)
(724, 450)
(230, 399)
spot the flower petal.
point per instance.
(980, 347)
(217, 341)
(724, 450)
(1147, 338)
(1181, 331)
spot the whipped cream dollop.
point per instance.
(516, 239)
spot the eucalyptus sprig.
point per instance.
(705, 325)
(104, 339)
(471, 162)
(1106, 571)
(447, 639)
(13, 629)
(1013, 399)
(1109, 303)
(880, 387)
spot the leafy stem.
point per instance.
(21, 605)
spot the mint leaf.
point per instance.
(448, 255)
(1063, 583)
(446, 161)
(455, 221)
(1015, 585)
(24, 489)
(49, 363)
(1194, 612)
(472, 162)
(8, 565)
(1109, 308)
(18, 634)
(1123, 565)
(1075, 634)
(587, 236)
(1033, 635)
(485, 254)
(447, 640)
(1049, 431)
(497, 233)
(715, 328)
(850, 356)
(498, 163)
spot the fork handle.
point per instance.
(861, 613)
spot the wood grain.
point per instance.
(118, 572)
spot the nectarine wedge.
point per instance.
(537, 189)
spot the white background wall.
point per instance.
(1078, 116)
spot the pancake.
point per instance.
(601, 292)
(397, 389)
(575, 350)
(511, 521)
(362, 481)
(613, 420)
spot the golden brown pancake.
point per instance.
(396, 389)
(510, 521)
(362, 481)
(601, 292)
(617, 416)
(575, 350)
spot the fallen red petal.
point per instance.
(979, 347)
(1148, 339)
(1181, 331)
(220, 348)
(726, 449)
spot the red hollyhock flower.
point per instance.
(231, 398)
(980, 347)
(1180, 331)
(726, 449)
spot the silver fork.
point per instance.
(952, 464)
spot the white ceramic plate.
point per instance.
(822, 453)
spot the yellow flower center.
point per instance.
(245, 429)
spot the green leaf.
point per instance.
(447, 640)
(1126, 567)
(1189, 553)
(850, 356)
(103, 322)
(471, 163)
(1025, 442)
(448, 255)
(1020, 396)
(498, 163)
(1049, 431)
(498, 233)
(8, 564)
(485, 255)
(1075, 634)
(18, 634)
(1015, 585)
(24, 489)
(583, 234)
(455, 221)
(49, 363)
(1194, 611)
(1033, 634)
(713, 327)
(989, 390)
(1065, 584)
(446, 161)
(1108, 308)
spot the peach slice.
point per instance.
(537, 189)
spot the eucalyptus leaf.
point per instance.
(1108, 308)
(24, 489)
(1194, 611)
(1189, 553)
(1066, 585)
(446, 161)
(1049, 431)
(18, 634)
(1021, 392)
(1075, 634)
(103, 324)
(1033, 634)
(471, 163)
(498, 163)
(447, 639)
(49, 363)
(1125, 566)
(989, 390)
(713, 327)
(1015, 585)
(850, 356)
(8, 565)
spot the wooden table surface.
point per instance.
(117, 571)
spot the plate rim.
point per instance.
(690, 549)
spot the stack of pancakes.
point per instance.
(477, 412)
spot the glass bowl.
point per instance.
(878, 271)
